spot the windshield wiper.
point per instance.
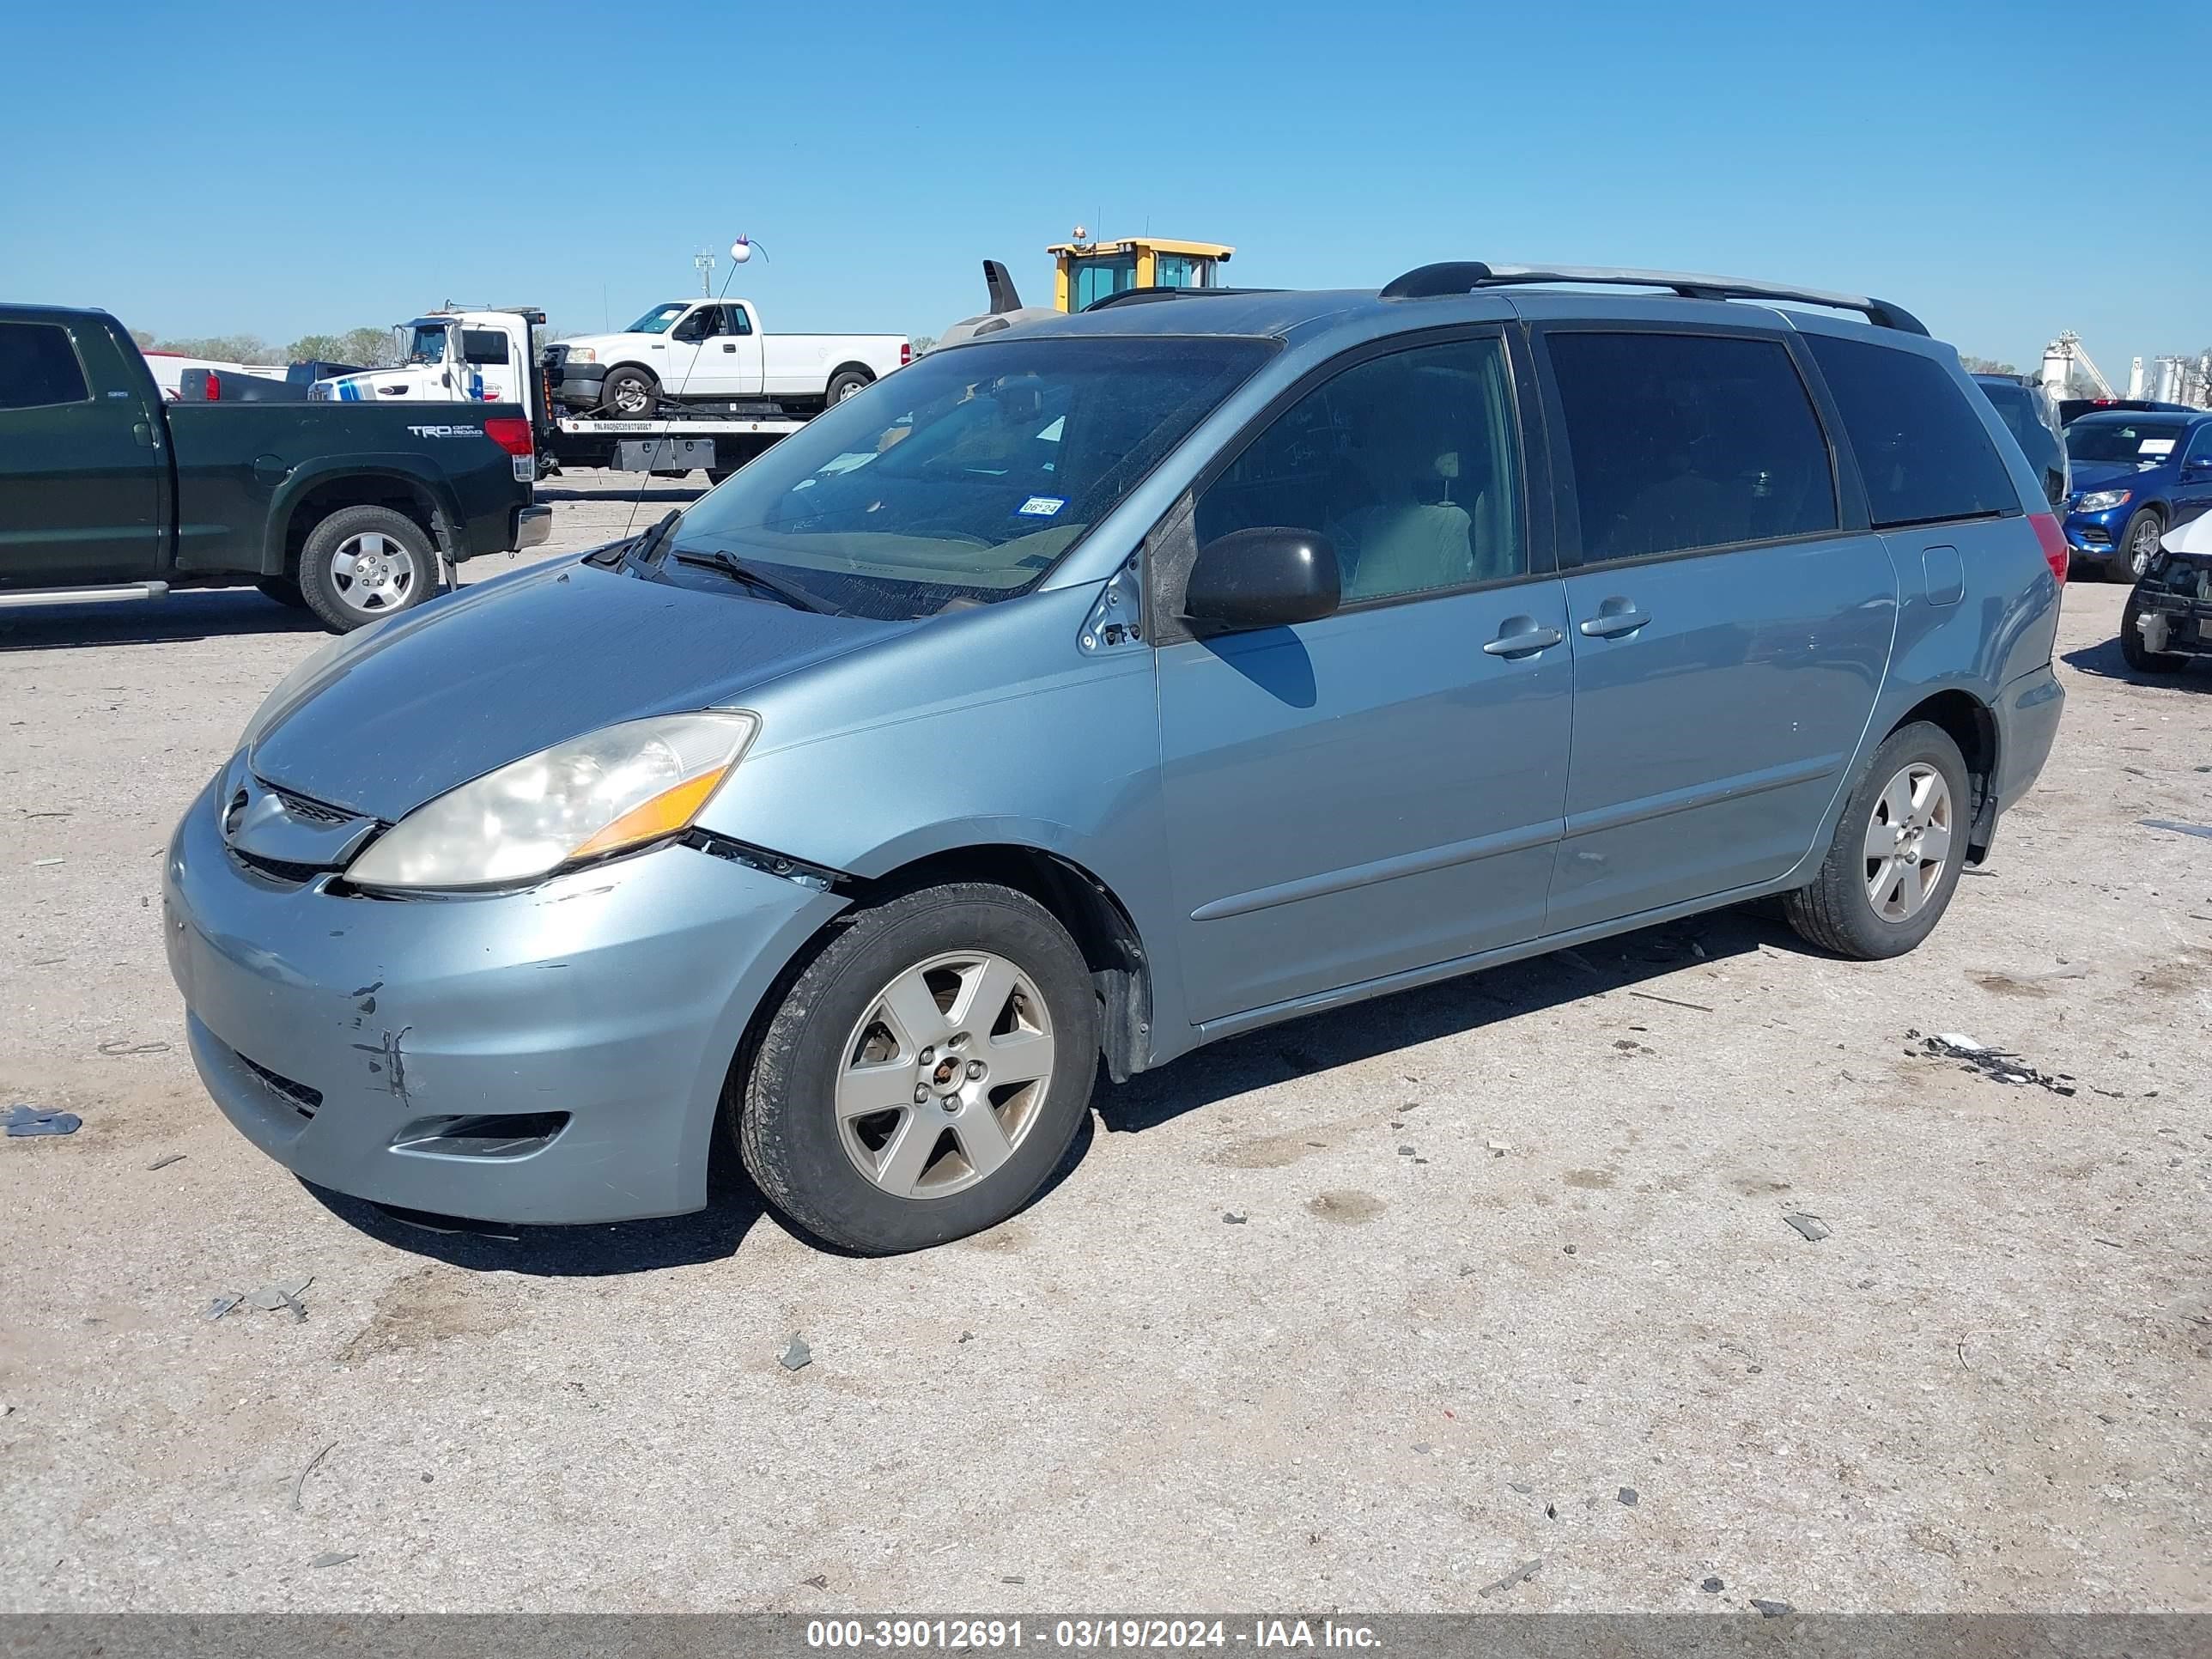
(612, 556)
(753, 576)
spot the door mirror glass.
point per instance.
(1267, 577)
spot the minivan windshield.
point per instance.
(2137, 443)
(968, 475)
(656, 321)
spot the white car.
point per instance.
(691, 351)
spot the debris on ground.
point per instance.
(1520, 1575)
(116, 1047)
(1810, 1227)
(25, 1121)
(222, 1304)
(165, 1160)
(1627, 1497)
(1497, 1148)
(1712, 1587)
(1015, 1579)
(820, 1581)
(44, 864)
(966, 1336)
(1233, 1218)
(273, 1299)
(299, 1484)
(1672, 1002)
(1520, 1485)
(1405, 1152)
(1771, 1609)
(333, 1560)
(1569, 1249)
(2201, 829)
(798, 1357)
(1423, 1447)
(2000, 1064)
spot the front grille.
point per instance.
(303, 1100)
(280, 869)
(310, 812)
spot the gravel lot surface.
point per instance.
(1250, 1351)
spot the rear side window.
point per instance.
(38, 367)
(1922, 451)
(1688, 440)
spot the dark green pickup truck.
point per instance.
(354, 511)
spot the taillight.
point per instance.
(906, 353)
(214, 388)
(510, 432)
(2054, 544)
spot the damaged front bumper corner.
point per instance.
(551, 1055)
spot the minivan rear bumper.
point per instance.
(556, 1054)
(2028, 724)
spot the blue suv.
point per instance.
(2135, 477)
(1101, 688)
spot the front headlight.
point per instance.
(583, 355)
(619, 786)
(2102, 501)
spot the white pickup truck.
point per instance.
(714, 351)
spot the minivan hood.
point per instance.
(429, 701)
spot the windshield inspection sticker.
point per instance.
(1041, 506)
(2156, 447)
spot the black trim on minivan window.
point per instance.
(1170, 547)
(1847, 490)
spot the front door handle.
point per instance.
(729, 348)
(1526, 639)
(1615, 618)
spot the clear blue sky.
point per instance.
(215, 168)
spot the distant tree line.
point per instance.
(1985, 366)
(369, 347)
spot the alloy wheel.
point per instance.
(1908, 842)
(373, 574)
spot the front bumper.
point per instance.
(374, 1045)
(580, 385)
(2096, 536)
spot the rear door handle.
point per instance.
(1526, 642)
(1615, 618)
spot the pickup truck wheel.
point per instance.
(363, 564)
(843, 385)
(284, 590)
(926, 1072)
(1894, 861)
(2144, 661)
(630, 394)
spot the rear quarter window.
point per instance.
(38, 367)
(1922, 449)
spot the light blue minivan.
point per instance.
(1101, 688)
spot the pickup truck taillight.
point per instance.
(906, 353)
(510, 432)
(213, 387)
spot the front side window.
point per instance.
(426, 345)
(658, 320)
(1682, 442)
(2127, 443)
(38, 367)
(1922, 451)
(968, 475)
(1407, 464)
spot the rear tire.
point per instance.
(2142, 660)
(957, 993)
(1880, 891)
(844, 383)
(629, 394)
(363, 564)
(2138, 545)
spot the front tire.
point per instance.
(363, 564)
(2138, 545)
(629, 394)
(2139, 658)
(1894, 862)
(925, 1073)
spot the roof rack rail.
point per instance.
(1465, 276)
(1137, 296)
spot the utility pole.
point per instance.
(704, 259)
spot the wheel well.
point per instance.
(861, 369)
(1084, 905)
(635, 369)
(408, 501)
(1974, 729)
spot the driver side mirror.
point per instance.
(1269, 576)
